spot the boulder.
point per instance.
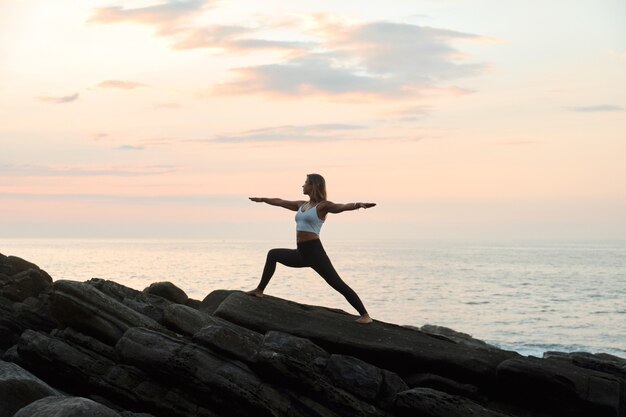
(144, 303)
(229, 339)
(65, 365)
(66, 407)
(228, 386)
(15, 317)
(602, 362)
(354, 375)
(185, 320)
(299, 364)
(114, 290)
(168, 291)
(212, 301)
(134, 389)
(398, 349)
(18, 388)
(11, 265)
(70, 361)
(454, 336)
(431, 403)
(88, 310)
(28, 283)
(446, 385)
(562, 387)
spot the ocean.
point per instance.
(530, 297)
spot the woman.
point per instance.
(310, 216)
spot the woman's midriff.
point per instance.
(304, 236)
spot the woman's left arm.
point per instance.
(330, 207)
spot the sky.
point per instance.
(461, 119)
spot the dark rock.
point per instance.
(224, 385)
(18, 388)
(304, 350)
(28, 283)
(134, 389)
(212, 301)
(64, 365)
(11, 265)
(431, 403)
(88, 310)
(11, 355)
(300, 365)
(392, 385)
(446, 385)
(83, 341)
(454, 336)
(168, 291)
(596, 361)
(385, 345)
(355, 376)
(114, 290)
(81, 371)
(144, 303)
(185, 320)
(15, 317)
(131, 414)
(66, 407)
(195, 304)
(562, 387)
(230, 339)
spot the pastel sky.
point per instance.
(462, 119)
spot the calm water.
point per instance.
(525, 296)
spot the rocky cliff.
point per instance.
(97, 348)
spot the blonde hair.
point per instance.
(318, 187)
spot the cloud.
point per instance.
(410, 114)
(164, 16)
(597, 108)
(175, 20)
(10, 170)
(379, 59)
(187, 199)
(313, 74)
(292, 133)
(322, 55)
(231, 38)
(123, 85)
(130, 148)
(59, 100)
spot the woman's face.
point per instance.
(306, 187)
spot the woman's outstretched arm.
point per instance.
(330, 207)
(289, 205)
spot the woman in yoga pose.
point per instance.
(310, 216)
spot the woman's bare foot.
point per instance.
(256, 292)
(364, 319)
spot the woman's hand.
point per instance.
(256, 199)
(364, 205)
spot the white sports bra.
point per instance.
(308, 221)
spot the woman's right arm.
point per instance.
(290, 205)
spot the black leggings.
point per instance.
(310, 253)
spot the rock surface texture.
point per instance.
(98, 348)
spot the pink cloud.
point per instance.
(124, 85)
(59, 100)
